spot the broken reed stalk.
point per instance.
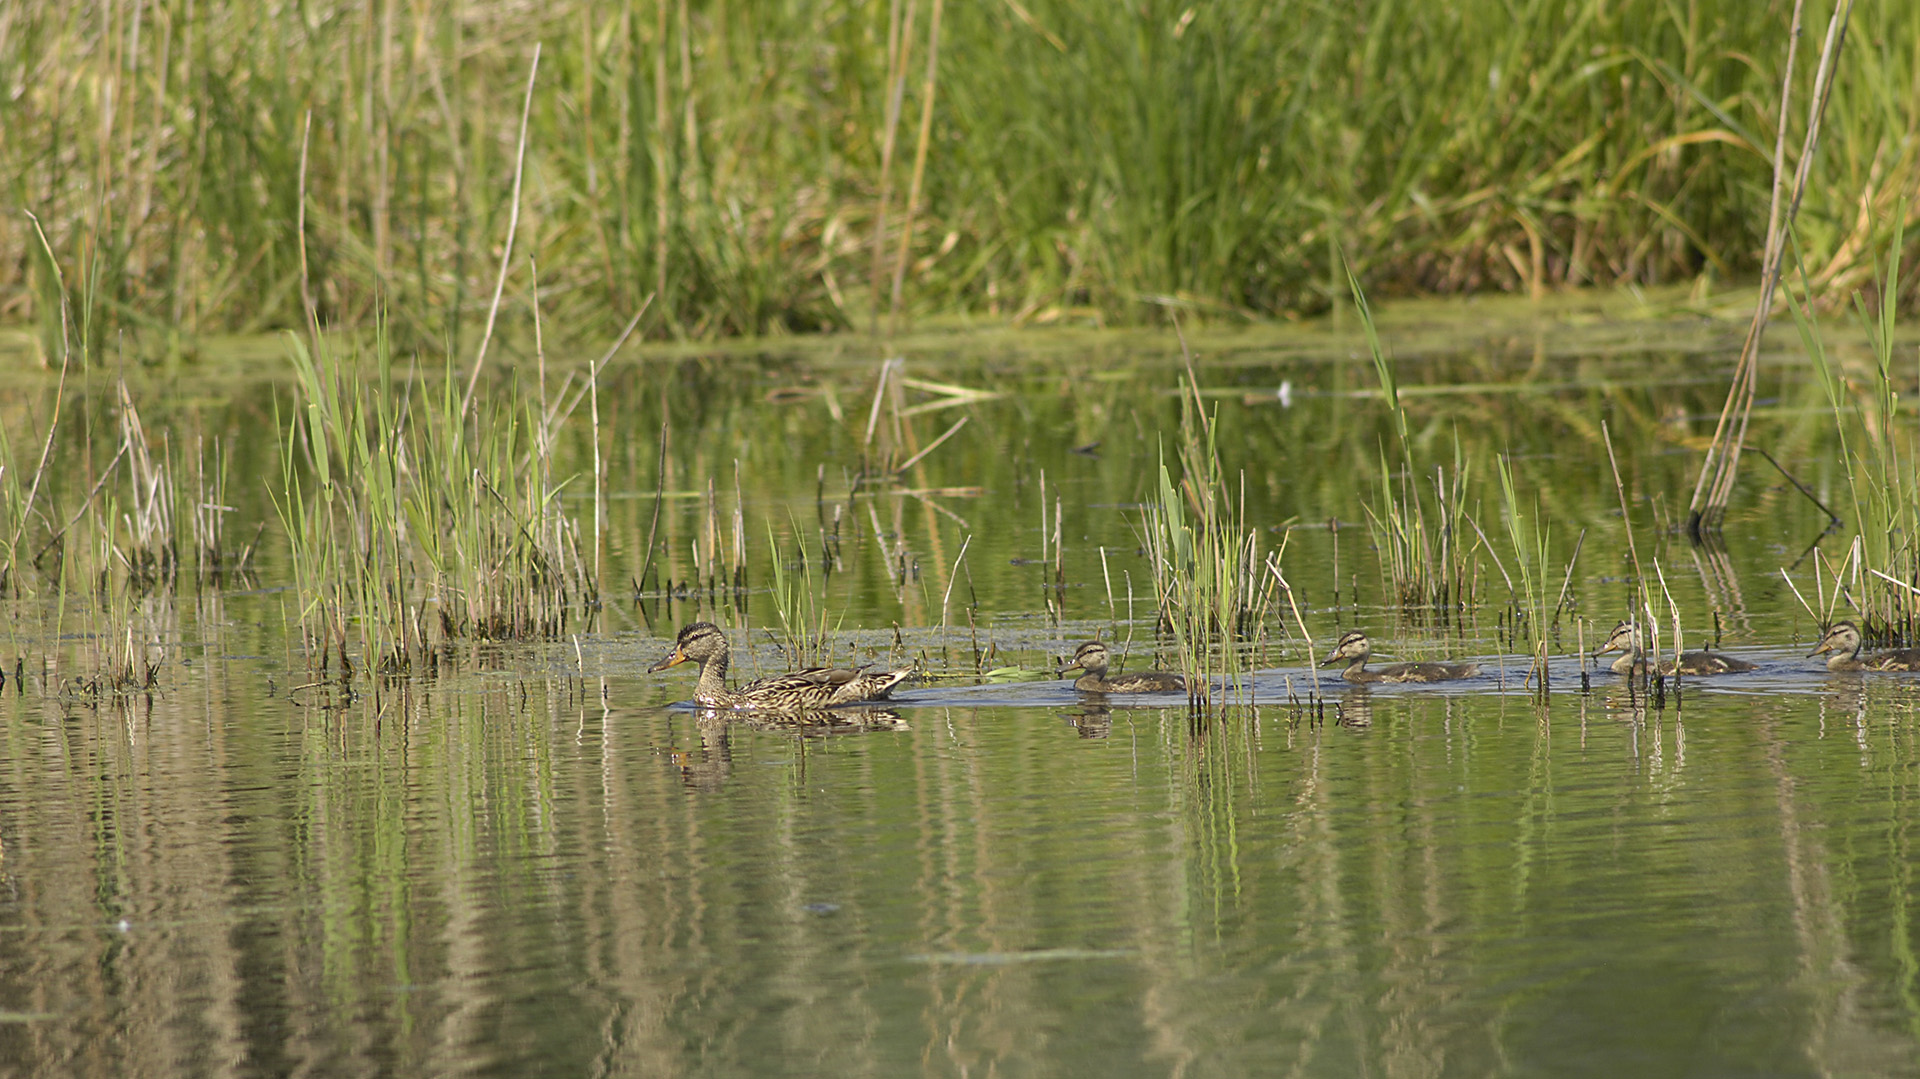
(931, 446)
(951, 577)
(889, 368)
(1626, 518)
(599, 478)
(1714, 488)
(1313, 659)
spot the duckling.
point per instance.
(815, 687)
(1626, 640)
(1091, 658)
(1355, 648)
(1843, 640)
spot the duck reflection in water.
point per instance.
(708, 766)
(1091, 720)
(818, 722)
(1354, 709)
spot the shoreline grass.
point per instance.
(1070, 163)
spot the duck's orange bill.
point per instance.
(676, 656)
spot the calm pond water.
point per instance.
(540, 864)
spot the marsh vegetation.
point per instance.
(331, 739)
(776, 168)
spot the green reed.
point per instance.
(805, 624)
(1082, 159)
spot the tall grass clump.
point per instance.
(748, 163)
(1210, 576)
(805, 624)
(1424, 535)
(1879, 452)
(413, 522)
(93, 555)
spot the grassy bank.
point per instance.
(776, 167)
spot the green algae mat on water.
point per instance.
(535, 858)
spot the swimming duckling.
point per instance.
(1355, 648)
(1843, 640)
(1626, 640)
(1091, 657)
(815, 687)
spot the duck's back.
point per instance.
(815, 687)
(1425, 672)
(1141, 682)
(869, 685)
(1708, 663)
(1900, 659)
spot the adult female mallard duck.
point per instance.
(815, 687)
(1626, 640)
(1355, 649)
(1092, 658)
(1843, 640)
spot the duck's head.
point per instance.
(1090, 657)
(699, 642)
(1354, 647)
(1624, 638)
(1842, 639)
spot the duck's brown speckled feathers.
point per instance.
(815, 687)
(1355, 649)
(1093, 659)
(1626, 640)
(1843, 641)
